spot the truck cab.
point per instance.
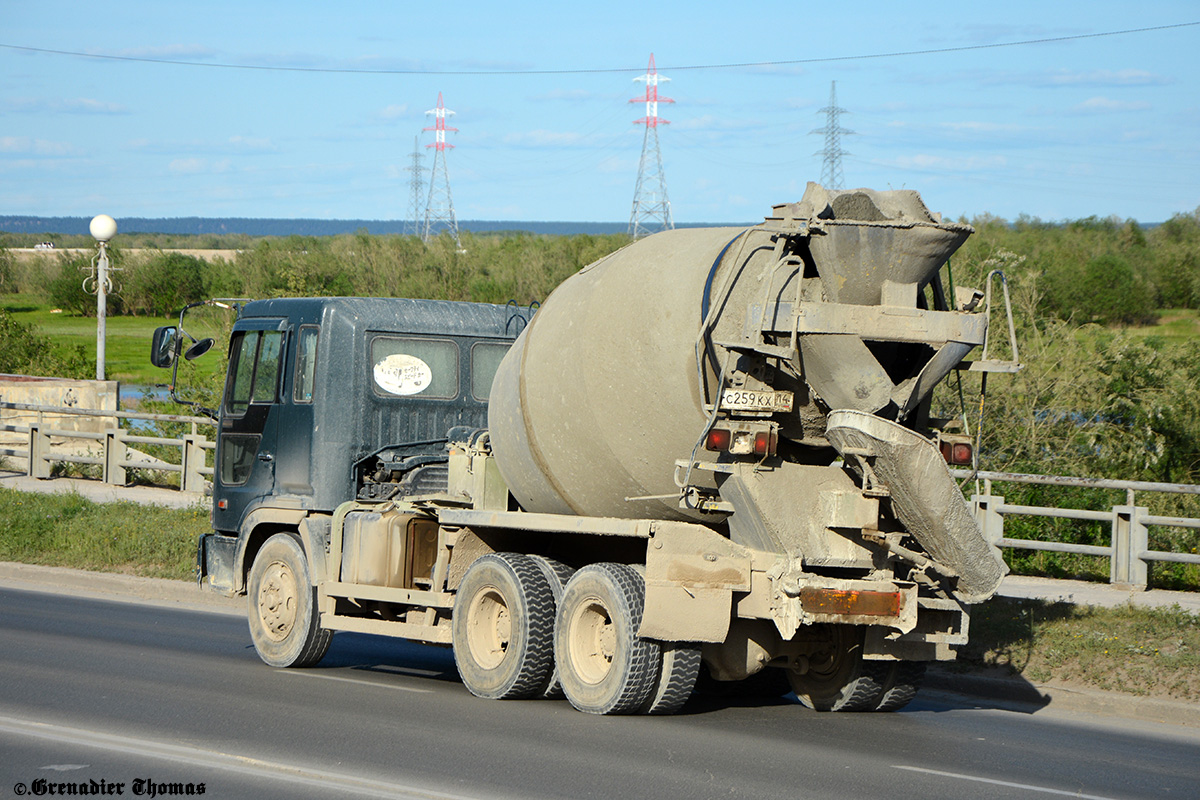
(329, 400)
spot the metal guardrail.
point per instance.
(1128, 550)
(115, 456)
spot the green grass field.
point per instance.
(126, 340)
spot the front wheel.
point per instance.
(282, 606)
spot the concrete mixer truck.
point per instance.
(710, 450)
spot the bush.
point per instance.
(74, 286)
(24, 352)
(164, 283)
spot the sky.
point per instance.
(310, 109)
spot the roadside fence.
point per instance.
(1128, 550)
(113, 449)
(45, 439)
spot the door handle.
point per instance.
(267, 457)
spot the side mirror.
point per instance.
(198, 349)
(163, 347)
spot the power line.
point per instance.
(510, 72)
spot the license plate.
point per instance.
(748, 400)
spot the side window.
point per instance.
(254, 368)
(266, 374)
(414, 367)
(241, 370)
(485, 360)
(237, 457)
(306, 364)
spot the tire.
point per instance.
(836, 679)
(676, 678)
(557, 574)
(604, 667)
(503, 627)
(901, 680)
(282, 605)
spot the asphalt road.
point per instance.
(93, 691)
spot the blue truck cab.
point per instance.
(329, 400)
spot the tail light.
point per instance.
(718, 439)
(743, 440)
(765, 443)
(956, 453)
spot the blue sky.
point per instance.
(1105, 125)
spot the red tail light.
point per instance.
(765, 443)
(957, 453)
(718, 439)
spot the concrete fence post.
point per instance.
(193, 462)
(114, 456)
(39, 452)
(1130, 538)
(991, 522)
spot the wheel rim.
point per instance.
(830, 668)
(489, 628)
(592, 642)
(278, 600)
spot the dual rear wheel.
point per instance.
(525, 626)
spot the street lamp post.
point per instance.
(103, 229)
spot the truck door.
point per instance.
(247, 442)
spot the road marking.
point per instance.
(1026, 786)
(376, 684)
(211, 759)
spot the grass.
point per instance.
(64, 530)
(1151, 652)
(126, 339)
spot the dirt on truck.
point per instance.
(709, 451)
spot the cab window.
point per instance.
(402, 366)
(255, 369)
(485, 360)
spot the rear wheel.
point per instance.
(503, 627)
(282, 606)
(834, 678)
(676, 678)
(901, 680)
(557, 574)
(604, 667)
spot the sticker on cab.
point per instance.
(403, 374)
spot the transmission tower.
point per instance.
(439, 209)
(831, 169)
(412, 225)
(650, 203)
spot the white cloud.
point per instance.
(196, 166)
(259, 144)
(395, 111)
(23, 145)
(1105, 105)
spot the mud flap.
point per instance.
(924, 497)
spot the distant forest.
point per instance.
(195, 226)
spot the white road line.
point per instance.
(376, 684)
(1025, 786)
(211, 759)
